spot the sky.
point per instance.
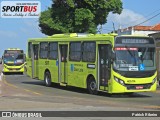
(14, 32)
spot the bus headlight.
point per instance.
(154, 80)
(119, 81)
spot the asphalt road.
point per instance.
(22, 87)
(21, 93)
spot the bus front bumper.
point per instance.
(119, 86)
(13, 68)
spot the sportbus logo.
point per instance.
(20, 9)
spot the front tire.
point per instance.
(47, 79)
(91, 86)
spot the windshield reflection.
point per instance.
(15, 58)
(8, 57)
(134, 59)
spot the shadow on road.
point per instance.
(84, 91)
(14, 73)
(39, 83)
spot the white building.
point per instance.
(139, 30)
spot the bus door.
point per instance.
(29, 60)
(104, 67)
(35, 60)
(63, 63)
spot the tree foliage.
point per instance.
(68, 16)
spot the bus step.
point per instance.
(63, 84)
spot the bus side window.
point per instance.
(88, 51)
(75, 51)
(43, 50)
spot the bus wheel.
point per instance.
(92, 87)
(47, 79)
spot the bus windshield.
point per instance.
(15, 57)
(134, 58)
(8, 57)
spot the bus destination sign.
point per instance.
(139, 41)
(134, 40)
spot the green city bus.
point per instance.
(13, 60)
(97, 62)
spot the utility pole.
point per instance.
(100, 29)
(113, 27)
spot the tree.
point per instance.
(68, 16)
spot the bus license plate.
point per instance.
(139, 87)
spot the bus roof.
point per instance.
(80, 37)
(135, 35)
(13, 49)
(75, 37)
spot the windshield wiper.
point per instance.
(145, 52)
(131, 54)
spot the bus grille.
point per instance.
(134, 87)
(14, 68)
(14, 64)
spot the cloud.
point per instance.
(126, 18)
(9, 34)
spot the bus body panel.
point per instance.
(53, 68)
(78, 73)
(43, 66)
